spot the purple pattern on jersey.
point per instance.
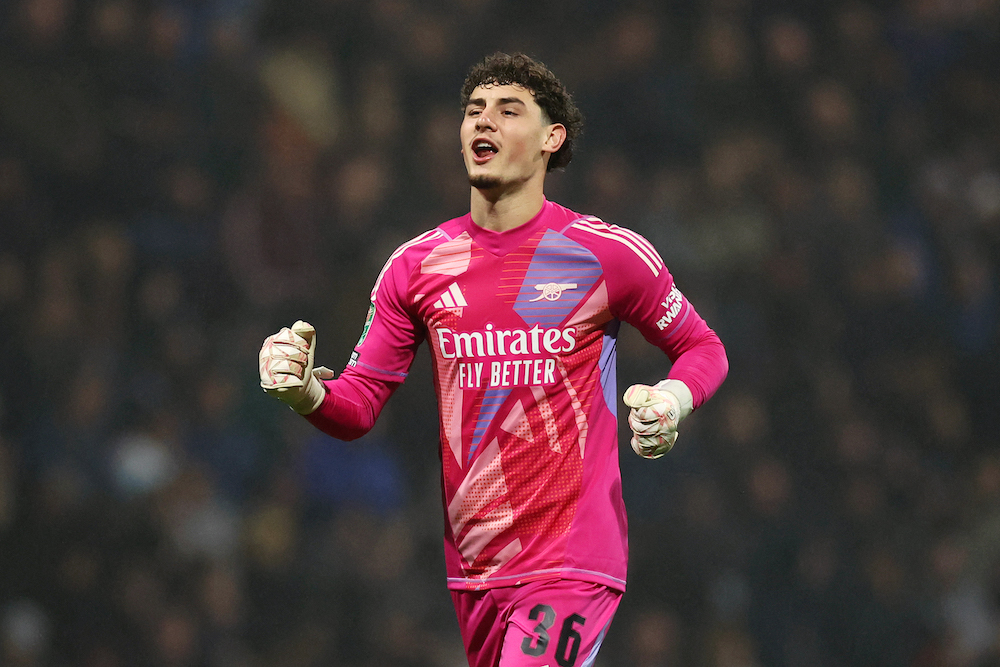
(492, 401)
(561, 273)
(608, 363)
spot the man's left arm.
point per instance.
(645, 296)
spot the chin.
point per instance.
(484, 182)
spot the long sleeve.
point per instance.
(642, 292)
(352, 404)
(382, 355)
(699, 360)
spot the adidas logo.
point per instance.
(451, 298)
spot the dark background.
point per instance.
(180, 179)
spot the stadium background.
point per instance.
(180, 178)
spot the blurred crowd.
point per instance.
(180, 178)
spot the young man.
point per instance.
(519, 302)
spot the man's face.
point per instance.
(505, 136)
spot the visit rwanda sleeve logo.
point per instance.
(368, 324)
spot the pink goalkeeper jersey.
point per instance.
(522, 328)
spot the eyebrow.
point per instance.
(479, 101)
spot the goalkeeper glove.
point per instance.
(656, 412)
(286, 368)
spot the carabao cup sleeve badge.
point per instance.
(368, 324)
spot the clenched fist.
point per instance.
(286, 368)
(656, 412)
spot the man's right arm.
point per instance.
(347, 407)
(352, 405)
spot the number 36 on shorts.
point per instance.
(561, 631)
(568, 648)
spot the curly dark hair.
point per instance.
(551, 95)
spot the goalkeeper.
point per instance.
(519, 302)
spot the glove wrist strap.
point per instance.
(313, 396)
(683, 394)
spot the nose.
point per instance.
(484, 121)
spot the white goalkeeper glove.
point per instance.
(286, 368)
(656, 412)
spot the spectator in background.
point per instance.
(836, 163)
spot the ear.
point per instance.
(555, 138)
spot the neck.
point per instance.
(500, 209)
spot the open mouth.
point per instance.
(483, 150)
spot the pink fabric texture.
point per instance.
(550, 622)
(522, 328)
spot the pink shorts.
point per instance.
(555, 622)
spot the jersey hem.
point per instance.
(576, 574)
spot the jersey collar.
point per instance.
(501, 243)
